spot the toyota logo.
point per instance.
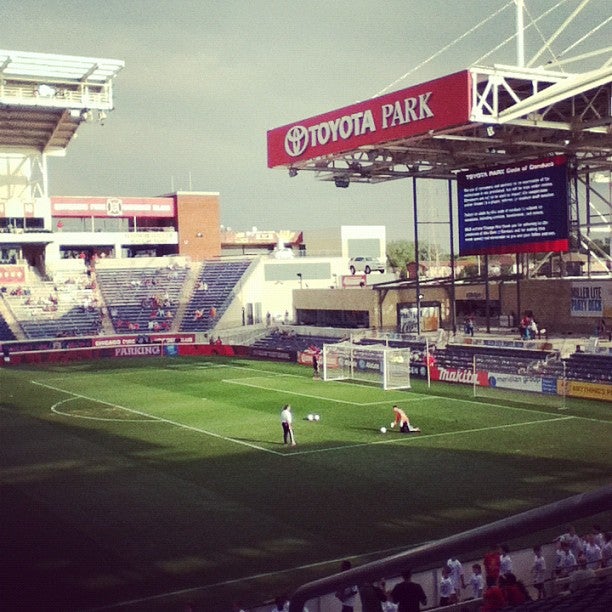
(296, 140)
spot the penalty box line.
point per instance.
(163, 420)
(240, 381)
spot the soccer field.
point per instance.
(122, 481)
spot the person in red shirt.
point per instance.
(492, 563)
(493, 598)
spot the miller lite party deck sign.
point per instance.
(435, 105)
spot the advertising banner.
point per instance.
(12, 275)
(452, 375)
(515, 381)
(435, 105)
(591, 299)
(589, 390)
(73, 206)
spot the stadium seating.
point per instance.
(279, 340)
(511, 361)
(589, 367)
(139, 299)
(66, 306)
(212, 294)
(5, 331)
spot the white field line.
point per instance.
(55, 409)
(162, 420)
(414, 438)
(240, 381)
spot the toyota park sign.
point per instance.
(435, 105)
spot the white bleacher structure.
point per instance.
(142, 298)
(212, 293)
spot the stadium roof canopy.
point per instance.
(479, 117)
(45, 97)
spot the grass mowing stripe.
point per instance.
(427, 437)
(311, 396)
(163, 420)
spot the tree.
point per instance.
(399, 253)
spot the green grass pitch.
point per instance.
(126, 480)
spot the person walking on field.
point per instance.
(287, 424)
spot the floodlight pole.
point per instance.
(453, 300)
(520, 33)
(416, 253)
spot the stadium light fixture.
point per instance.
(342, 182)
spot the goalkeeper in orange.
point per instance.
(401, 419)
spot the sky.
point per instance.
(204, 80)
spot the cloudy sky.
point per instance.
(205, 79)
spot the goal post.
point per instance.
(372, 363)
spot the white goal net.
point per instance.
(373, 363)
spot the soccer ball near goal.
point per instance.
(383, 430)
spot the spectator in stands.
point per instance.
(407, 594)
(505, 561)
(583, 576)
(347, 595)
(476, 581)
(493, 597)
(372, 595)
(538, 571)
(401, 419)
(606, 551)
(456, 573)
(468, 326)
(446, 588)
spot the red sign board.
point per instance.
(434, 105)
(74, 206)
(12, 275)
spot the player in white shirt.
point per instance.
(606, 551)
(446, 587)
(456, 573)
(477, 581)
(287, 424)
(592, 552)
(565, 562)
(505, 561)
(538, 571)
